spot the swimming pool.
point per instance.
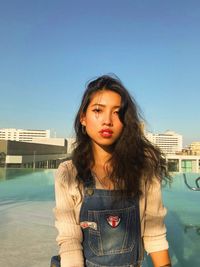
(183, 221)
(27, 230)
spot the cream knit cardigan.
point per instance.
(69, 198)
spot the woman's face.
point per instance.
(101, 119)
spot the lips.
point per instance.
(106, 133)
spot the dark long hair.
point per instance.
(133, 157)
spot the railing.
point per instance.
(192, 227)
(197, 181)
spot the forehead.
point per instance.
(105, 97)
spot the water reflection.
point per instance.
(182, 221)
(194, 188)
(195, 228)
(12, 173)
(22, 185)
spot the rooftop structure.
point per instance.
(183, 163)
(169, 142)
(31, 155)
(195, 148)
(192, 149)
(23, 135)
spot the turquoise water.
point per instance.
(27, 231)
(183, 221)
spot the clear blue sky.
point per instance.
(49, 49)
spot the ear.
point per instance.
(83, 120)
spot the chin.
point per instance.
(107, 143)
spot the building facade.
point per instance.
(169, 142)
(23, 135)
(183, 163)
(15, 154)
(195, 148)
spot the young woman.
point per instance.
(108, 197)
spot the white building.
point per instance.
(23, 135)
(195, 148)
(169, 142)
(50, 141)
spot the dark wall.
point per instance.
(22, 148)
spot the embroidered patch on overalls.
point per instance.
(113, 221)
(87, 224)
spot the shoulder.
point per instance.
(151, 190)
(152, 184)
(66, 173)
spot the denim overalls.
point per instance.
(111, 228)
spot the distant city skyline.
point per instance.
(50, 49)
(31, 134)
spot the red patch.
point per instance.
(113, 221)
(84, 225)
(87, 224)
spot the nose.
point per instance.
(107, 119)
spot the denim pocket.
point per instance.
(112, 238)
(91, 264)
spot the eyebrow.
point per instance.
(101, 105)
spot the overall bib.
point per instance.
(111, 228)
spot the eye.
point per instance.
(116, 112)
(96, 110)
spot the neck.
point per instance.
(101, 155)
(101, 168)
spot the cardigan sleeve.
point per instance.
(69, 236)
(154, 229)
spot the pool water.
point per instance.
(183, 221)
(27, 231)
